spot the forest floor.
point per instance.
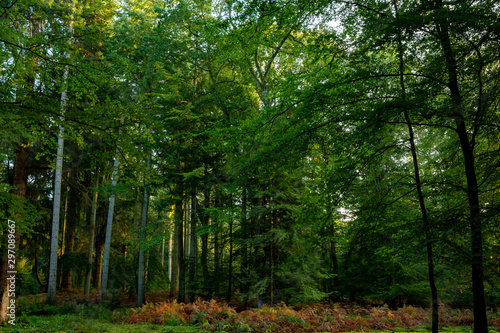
(77, 313)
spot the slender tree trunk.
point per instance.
(90, 250)
(174, 269)
(51, 291)
(163, 249)
(271, 258)
(178, 215)
(217, 246)
(425, 219)
(205, 218)
(244, 249)
(192, 251)
(65, 219)
(69, 244)
(141, 299)
(335, 263)
(186, 228)
(217, 271)
(99, 249)
(136, 216)
(230, 268)
(475, 222)
(423, 209)
(259, 260)
(109, 226)
(170, 249)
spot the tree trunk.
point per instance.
(65, 218)
(178, 216)
(193, 244)
(205, 217)
(187, 225)
(20, 183)
(170, 250)
(230, 268)
(335, 263)
(259, 259)
(144, 216)
(480, 318)
(99, 247)
(244, 249)
(70, 236)
(90, 250)
(51, 291)
(418, 183)
(36, 270)
(136, 217)
(109, 226)
(174, 267)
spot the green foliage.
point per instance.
(282, 137)
(17, 209)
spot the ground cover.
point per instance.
(75, 313)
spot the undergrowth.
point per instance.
(219, 317)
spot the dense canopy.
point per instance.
(261, 151)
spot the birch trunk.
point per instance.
(109, 226)
(51, 290)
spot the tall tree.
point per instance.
(51, 291)
(109, 227)
(92, 227)
(141, 299)
(418, 182)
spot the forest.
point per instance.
(252, 154)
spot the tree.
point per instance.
(109, 226)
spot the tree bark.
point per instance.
(20, 183)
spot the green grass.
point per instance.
(40, 317)
(75, 323)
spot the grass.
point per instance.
(76, 323)
(41, 318)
